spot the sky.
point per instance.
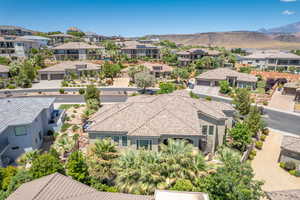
(142, 17)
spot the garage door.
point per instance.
(57, 76)
(201, 82)
(44, 77)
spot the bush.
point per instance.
(297, 174)
(259, 144)
(208, 98)
(165, 88)
(290, 165)
(61, 91)
(74, 111)
(253, 152)
(74, 128)
(81, 91)
(292, 172)
(65, 126)
(224, 87)
(11, 87)
(265, 131)
(67, 118)
(265, 103)
(282, 165)
(263, 138)
(73, 116)
(193, 95)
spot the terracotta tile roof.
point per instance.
(222, 73)
(4, 69)
(76, 45)
(291, 143)
(284, 195)
(156, 115)
(61, 67)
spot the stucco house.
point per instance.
(147, 121)
(4, 70)
(135, 49)
(23, 123)
(235, 79)
(60, 38)
(187, 57)
(290, 150)
(14, 30)
(159, 70)
(65, 68)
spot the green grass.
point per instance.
(67, 106)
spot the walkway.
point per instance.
(267, 168)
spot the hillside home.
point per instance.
(134, 49)
(144, 122)
(4, 71)
(159, 70)
(77, 51)
(271, 60)
(235, 79)
(290, 150)
(14, 30)
(57, 187)
(41, 41)
(60, 38)
(66, 68)
(23, 123)
(187, 57)
(16, 47)
(93, 37)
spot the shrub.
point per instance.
(290, 165)
(265, 103)
(67, 118)
(259, 144)
(224, 87)
(81, 91)
(11, 87)
(253, 152)
(61, 91)
(263, 138)
(208, 98)
(165, 88)
(265, 131)
(65, 126)
(64, 84)
(251, 157)
(73, 116)
(74, 111)
(74, 128)
(297, 173)
(76, 106)
(282, 165)
(292, 172)
(193, 95)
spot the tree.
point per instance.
(22, 176)
(77, 168)
(168, 57)
(111, 70)
(232, 180)
(44, 165)
(224, 87)
(92, 97)
(181, 74)
(254, 120)
(144, 80)
(183, 185)
(132, 71)
(165, 88)
(27, 158)
(6, 176)
(242, 101)
(241, 136)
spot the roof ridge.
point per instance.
(49, 181)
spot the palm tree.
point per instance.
(64, 145)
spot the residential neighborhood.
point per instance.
(146, 101)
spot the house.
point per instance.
(57, 187)
(14, 30)
(187, 57)
(16, 47)
(290, 150)
(4, 71)
(147, 121)
(41, 41)
(65, 68)
(93, 37)
(159, 70)
(134, 49)
(235, 79)
(284, 195)
(60, 38)
(271, 60)
(23, 123)
(77, 51)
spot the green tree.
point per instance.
(132, 71)
(144, 80)
(242, 101)
(183, 185)
(254, 120)
(92, 96)
(6, 175)
(4, 60)
(181, 74)
(111, 70)
(241, 136)
(232, 180)
(166, 87)
(224, 87)
(44, 165)
(22, 176)
(168, 57)
(77, 168)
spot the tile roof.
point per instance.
(34, 37)
(222, 73)
(150, 66)
(62, 35)
(4, 69)
(271, 54)
(6, 27)
(18, 111)
(291, 143)
(61, 67)
(60, 187)
(284, 195)
(77, 45)
(156, 115)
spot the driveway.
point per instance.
(206, 90)
(267, 168)
(282, 102)
(44, 84)
(121, 82)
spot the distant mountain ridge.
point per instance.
(286, 29)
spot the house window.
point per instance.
(124, 141)
(211, 130)
(15, 148)
(20, 130)
(204, 130)
(40, 135)
(144, 144)
(116, 139)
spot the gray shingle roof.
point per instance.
(222, 73)
(284, 195)
(4, 69)
(291, 143)
(76, 45)
(174, 113)
(18, 111)
(61, 67)
(60, 187)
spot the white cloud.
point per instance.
(288, 12)
(288, 0)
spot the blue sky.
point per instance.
(140, 17)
